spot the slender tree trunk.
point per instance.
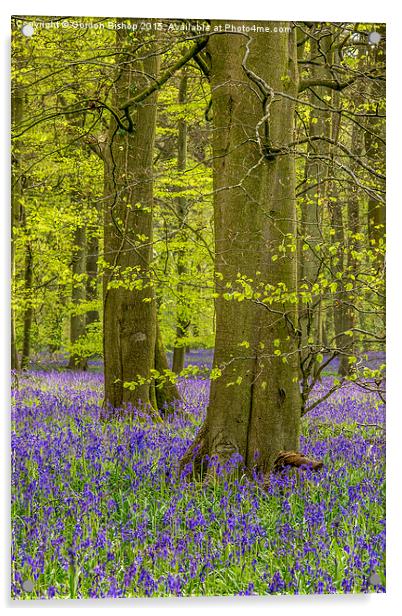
(77, 320)
(340, 341)
(374, 141)
(352, 264)
(312, 206)
(17, 113)
(254, 407)
(182, 321)
(376, 220)
(129, 314)
(28, 312)
(346, 339)
(56, 320)
(374, 138)
(375, 150)
(376, 223)
(92, 316)
(166, 392)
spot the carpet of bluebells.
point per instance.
(98, 509)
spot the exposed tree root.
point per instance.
(295, 458)
(198, 449)
(196, 452)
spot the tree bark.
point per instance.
(182, 322)
(254, 407)
(129, 314)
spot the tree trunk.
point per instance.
(374, 141)
(17, 112)
(166, 392)
(346, 299)
(376, 221)
(182, 322)
(129, 315)
(77, 320)
(312, 205)
(374, 138)
(254, 407)
(28, 312)
(340, 343)
(92, 316)
(376, 224)
(375, 151)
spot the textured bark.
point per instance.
(129, 316)
(182, 323)
(254, 407)
(77, 321)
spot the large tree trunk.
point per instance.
(254, 407)
(129, 317)
(77, 320)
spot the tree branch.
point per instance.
(202, 64)
(325, 83)
(158, 83)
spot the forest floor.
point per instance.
(98, 509)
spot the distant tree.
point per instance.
(17, 113)
(77, 319)
(182, 318)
